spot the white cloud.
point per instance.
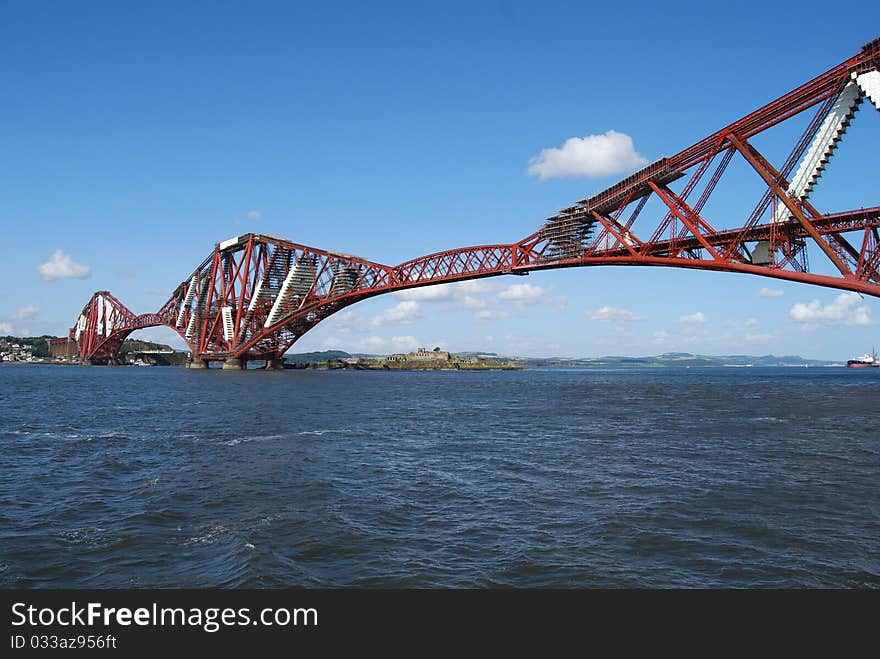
(331, 343)
(374, 342)
(770, 292)
(61, 266)
(613, 315)
(521, 293)
(254, 215)
(462, 294)
(758, 338)
(404, 342)
(440, 292)
(403, 313)
(697, 318)
(5, 328)
(844, 310)
(348, 321)
(476, 286)
(661, 336)
(469, 296)
(26, 312)
(487, 314)
(472, 296)
(592, 156)
(752, 322)
(472, 302)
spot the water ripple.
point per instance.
(605, 478)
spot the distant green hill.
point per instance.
(314, 357)
(666, 360)
(132, 347)
(677, 360)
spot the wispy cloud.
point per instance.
(438, 293)
(521, 293)
(592, 156)
(61, 266)
(404, 342)
(489, 314)
(844, 310)
(697, 318)
(403, 313)
(770, 292)
(348, 321)
(26, 312)
(480, 297)
(254, 215)
(609, 314)
(467, 295)
(661, 336)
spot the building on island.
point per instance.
(421, 355)
(434, 355)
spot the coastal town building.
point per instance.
(16, 352)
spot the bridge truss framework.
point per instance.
(256, 295)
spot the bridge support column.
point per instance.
(275, 364)
(197, 363)
(234, 364)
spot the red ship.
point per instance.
(865, 361)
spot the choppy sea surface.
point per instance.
(703, 477)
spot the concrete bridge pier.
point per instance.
(197, 363)
(233, 364)
(274, 364)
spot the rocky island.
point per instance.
(420, 360)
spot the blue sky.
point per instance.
(135, 137)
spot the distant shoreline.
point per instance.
(518, 367)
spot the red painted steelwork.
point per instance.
(254, 296)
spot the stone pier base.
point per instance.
(197, 363)
(274, 364)
(234, 365)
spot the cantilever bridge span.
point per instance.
(255, 295)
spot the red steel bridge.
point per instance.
(255, 295)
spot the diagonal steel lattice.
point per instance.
(254, 296)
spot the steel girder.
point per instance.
(256, 295)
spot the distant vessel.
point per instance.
(865, 361)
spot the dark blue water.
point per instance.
(164, 477)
